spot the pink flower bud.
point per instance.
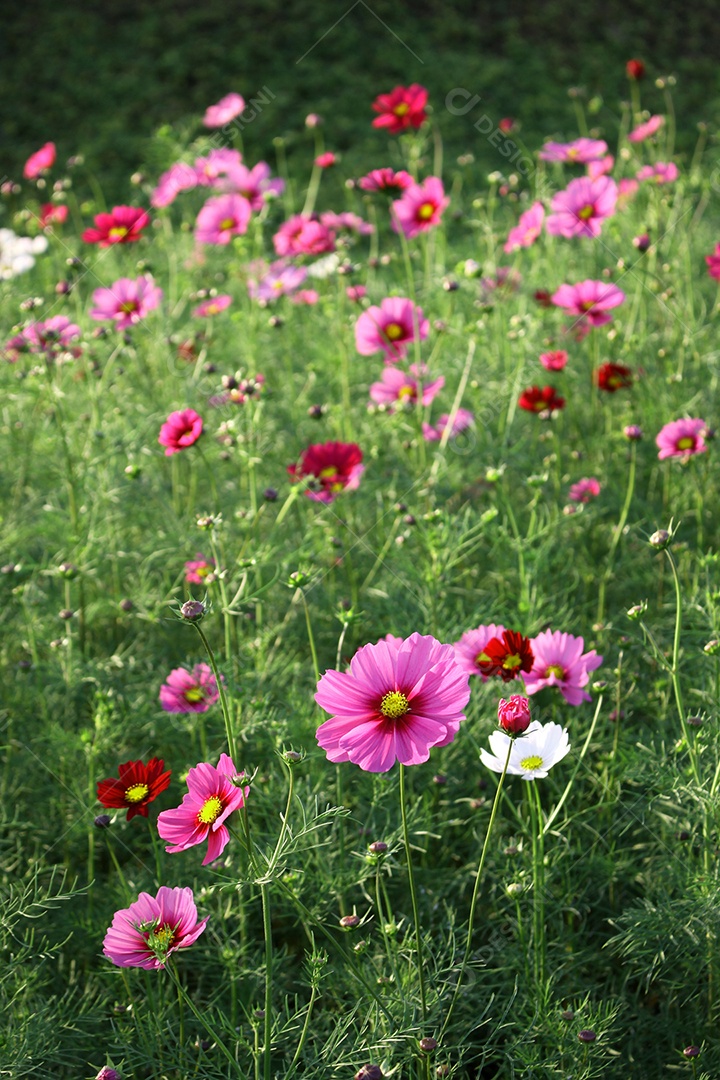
(514, 714)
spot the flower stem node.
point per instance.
(193, 611)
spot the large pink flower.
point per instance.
(584, 490)
(581, 208)
(189, 691)
(420, 207)
(470, 649)
(221, 218)
(397, 389)
(180, 430)
(214, 793)
(527, 229)
(592, 300)
(578, 152)
(644, 131)
(390, 328)
(395, 703)
(226, 110)
(126, 302)
(682, 438)
(39, 162)
(301, 235)
(560, 661)
(145, 934)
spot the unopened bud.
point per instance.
(514, 714)
(193, 610)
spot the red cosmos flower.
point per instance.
(506, 656)
(635, 69)
(121, 226)
(334, 466)
(138, 785)
(541, 401)
(543, 297)
(52, 214)
(612, 377)
(402, 108)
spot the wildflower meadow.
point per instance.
(360, 602)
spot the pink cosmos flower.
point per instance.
(330, 468)
(420, 207)
(199, 571)
(221, 218)
(308, 297)
(213, 169)
(386, 180)
(126, 302)
(226, 110)
(580, 151)
(145, 934)
(123, 225)
(347, 220)
(39, 162)
(584, 490)
(660, 173)
(179, 177)
(554, 361)
(189, 691)
(212, 306)
(214, 793)
(713, 263)
(402, 108)
(356, 293)
(682, 438)
(600, 167)
(397, 389)
(52, 214)
(560, 661)
(390, 328)
(527, 229)
(590, 300)
(463, 419)
(256, 184)
(626, 189)
(180, 430)
(281, 279)
(470, 649)
(326, 160)
(52, 336)
(301, 235)
(581, 208)
(644, 131)
(395, 703)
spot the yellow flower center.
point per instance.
(482, 658)
(402, 109)
(426, 211)
(227, 223)
(136, 792)
(556, 670)
(572, 153)
(686, 443)
(531, 763)
(129, 306)
(210, 810)
(328, 472)
(118, 233)
(162, 938)
(393, 331)
(512, 662)
(406, 392)
(394, 704)
(587, 305)
(193, 695)
(586, 212)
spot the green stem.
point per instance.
(476, 889)
(675, 672)
(221, 690)
(267, 934)
(413, 896)
(617, 532)
(311, 638)
(538, 886)
(202, 1020)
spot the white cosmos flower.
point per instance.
(17, 253)
(532, 755)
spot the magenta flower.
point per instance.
(578, 152)
(397, 389)
(682, 438)
(402, 108)
(325, 160)
(221, 218)
(420, 207)
(584, 490)
(560, 661)
(644, 131)
(581, 208)
(554, 361)
(395, 703)
(123, 225)
(213, 169)
(212, 306)
(214, 793)
(145, 934)
(199, 571)
(179, 177)
(626, 189)
(713, 263)
(591, 300)
(281, 279)
(226, 110)
(301, 235)
(470, 649)
(604, 165)
(189, 691)
(126, 302)
(660, 173)
(51, 337)
(255, 185)
(356, 293)
(180, 430)
(39, 162)
(348, 221)
(462, 420)
(527, 229)
(386, 180)
(305, 296)
(329, 468)
(390, 328)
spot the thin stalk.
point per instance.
(267, 934)
(202, 1020)
(538, 848)
(221, 690)
(618, 531)
(303, 1034)
(675, 672)
(311, 638)
(413, 896)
